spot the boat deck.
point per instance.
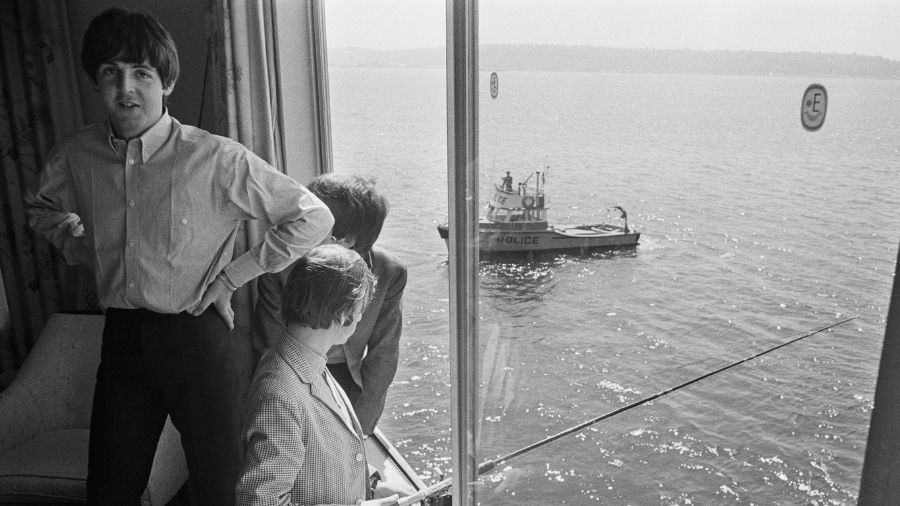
(587, 230)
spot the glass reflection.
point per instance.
(753, 231)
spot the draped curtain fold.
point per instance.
(38, 104)
(242, 83)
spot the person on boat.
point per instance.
(153, 207)
(366, 364)
(507, 182)
(302, 441)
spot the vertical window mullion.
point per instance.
(462, 179)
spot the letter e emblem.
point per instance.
(812, 110)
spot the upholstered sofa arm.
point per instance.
(55, 387)
(19, 419)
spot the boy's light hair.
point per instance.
(326, 286)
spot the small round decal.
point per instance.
(815, 103)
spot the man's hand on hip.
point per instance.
(219, 296)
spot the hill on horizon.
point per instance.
(507, 57)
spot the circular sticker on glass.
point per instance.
(812, 111)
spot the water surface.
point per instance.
(754, 231)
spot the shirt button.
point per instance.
(130, 244)
(131, 203)
(131, 162)
(131, 285)
(359, 457)
(184, 221)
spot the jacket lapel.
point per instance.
(317, 386)
(356, 428)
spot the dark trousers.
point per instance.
(153, 365)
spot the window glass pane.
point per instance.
(389, 123)
(753, 231)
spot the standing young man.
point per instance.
(365, 365)
(153, 207)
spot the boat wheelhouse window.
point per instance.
(673, 130)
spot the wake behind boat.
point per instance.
(516, 221)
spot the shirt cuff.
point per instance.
(243, 269)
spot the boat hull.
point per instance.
(493, 239)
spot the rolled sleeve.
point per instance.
(299, 220)
(53, 205)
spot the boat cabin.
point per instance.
(524, 209)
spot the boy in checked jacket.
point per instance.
(302, 440)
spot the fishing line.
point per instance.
(490, 465)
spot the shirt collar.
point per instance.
(156, 136)
(151, 140)
(316, 361)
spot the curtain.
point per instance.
(241, 83)
(39, 104)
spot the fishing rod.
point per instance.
(490, 465)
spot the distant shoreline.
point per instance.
(526, 57)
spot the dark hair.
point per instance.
(325, 286)
(359, 210)
(132, 37)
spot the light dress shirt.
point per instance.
(161, 212)
(298, 446)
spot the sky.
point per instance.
(867, 27)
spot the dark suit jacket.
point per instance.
(373, 350)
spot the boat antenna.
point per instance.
(494, 169)
(525, 183)
(489, 465)
(543, 175)
(622, 214)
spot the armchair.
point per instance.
(45, 420)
